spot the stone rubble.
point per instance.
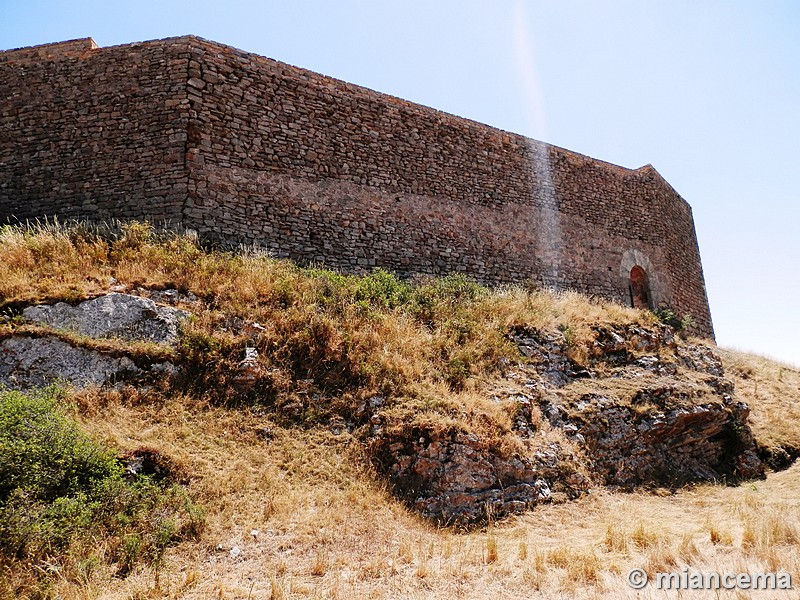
(248, 370)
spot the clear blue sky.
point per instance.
(706, 91)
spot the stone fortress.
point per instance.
(247, 150)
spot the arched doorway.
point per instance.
(639, 288)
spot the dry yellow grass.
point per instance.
(430, 346)
(311, 522)
(772, 390)
(303, 508)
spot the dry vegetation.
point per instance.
(327, 529)
(426, 347)
(294, 511)
(772, 389)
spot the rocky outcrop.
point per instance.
(656, 411)
(455, 477)
(248, 370)
(27, 362)
(36, 360)
(640, 408)
(545, 351)
(627, 447)
(113, 315)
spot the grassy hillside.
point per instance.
(293, 506)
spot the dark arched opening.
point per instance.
(639, 288)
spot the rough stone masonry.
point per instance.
(247, 150)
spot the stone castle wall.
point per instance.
(245, 149)
(89, 133)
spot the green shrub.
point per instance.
(43, 453)
(668, 317)
(59, 487)
(440, 299)
(382, 290)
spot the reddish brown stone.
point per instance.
(245, 149)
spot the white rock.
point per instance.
(113, 315)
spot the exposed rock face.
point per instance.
(655, 412)
(545, 351)
(642, 409)
(248, 370)
(696, 442)
(28, 361)
(454, 477)
(33, 362)
(113, 315)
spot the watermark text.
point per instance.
(695, 580)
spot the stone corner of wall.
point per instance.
(77, 48)
(660, 180)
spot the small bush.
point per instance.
(59, 488)
(441, 299)
(382, 290)
(43, 453)
(668, 317)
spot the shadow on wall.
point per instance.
(639, 289)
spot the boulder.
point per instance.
(27, 362)
(30, 361)
(114, 315)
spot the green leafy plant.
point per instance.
(669, 317)
(43, 453)
(381, 289)
(60, 488)
(442, 298)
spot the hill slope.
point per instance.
(317, 416)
